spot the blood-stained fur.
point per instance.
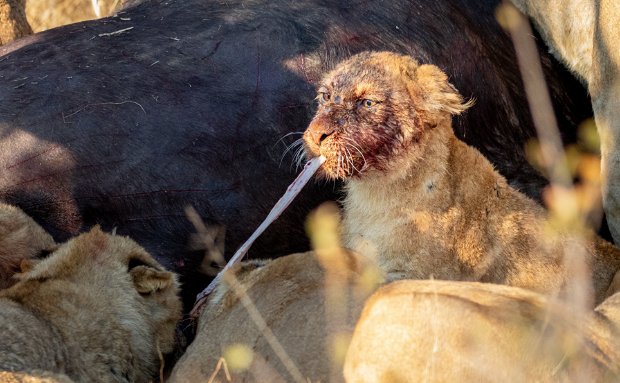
(421, 203)
(125, 121)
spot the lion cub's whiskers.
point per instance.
(297, 143)
(355, 146)
(299, 157)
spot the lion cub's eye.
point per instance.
(324, 97)
(368, 103)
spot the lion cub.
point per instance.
(98, 309)
(423, 203)
(308, 307)
(509, 335)
(20, 238)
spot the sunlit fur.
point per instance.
(445, 331)
(291, 293)
(426, 205)
(584, 35)
(365, 138)
(13, 22)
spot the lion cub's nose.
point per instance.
(318, 132)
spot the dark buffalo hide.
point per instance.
(127, 120)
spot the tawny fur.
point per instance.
(99, 309)
(423, 204)
(47, 14)
(13, 22)
(20, 18)
(568, 28)
(290, 294)
(444, 331)
(584, 35)
(33, 377)
(20, 238)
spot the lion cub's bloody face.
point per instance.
(366, 115)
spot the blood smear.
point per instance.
(291, 192)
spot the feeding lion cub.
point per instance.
(98, 309)
(421, 202)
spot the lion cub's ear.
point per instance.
(149, 280)
(437, 93)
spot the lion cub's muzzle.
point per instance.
(319, 129)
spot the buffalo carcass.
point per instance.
(125, 121)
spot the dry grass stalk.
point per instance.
(561, 198)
